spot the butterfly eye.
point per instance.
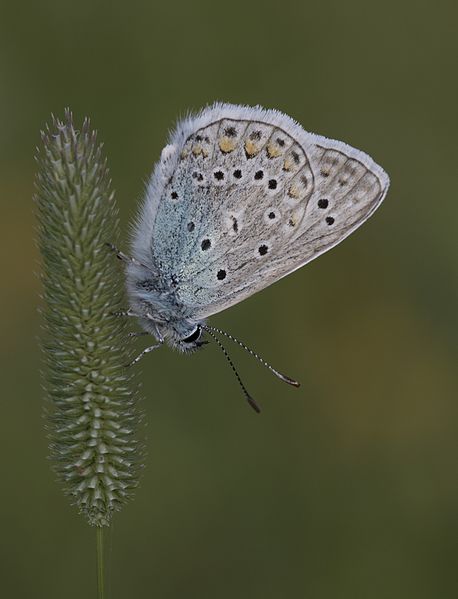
(194, 336)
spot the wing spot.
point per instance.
(191, 226)
(293, 192)
(237, 173)
(174, 195)
(263, 249)
(280, 141)
(198, 176)
(255, 135)
(199, 137)
(227, 145)
(259, 175)
(198, 149)
(251, 149)
(219, 175)
(272, 184)
(230, 131)
(292, 222)
(323, 203)
(296, 157)
(271, 214)
(235, 224)
(329, 220)
(324, 173)
(206, 244)
(342, 182)
(287, 165)
(221, 275)
(272, 151)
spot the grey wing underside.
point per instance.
(242, 202)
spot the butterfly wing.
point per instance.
(244, 196)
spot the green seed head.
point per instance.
(92, 412)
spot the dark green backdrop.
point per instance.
(347, 488)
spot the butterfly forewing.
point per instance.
(246, 196)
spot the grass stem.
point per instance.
(100, 564)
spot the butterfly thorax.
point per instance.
(160, 312)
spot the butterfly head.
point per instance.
(191, 342)
(181, 335)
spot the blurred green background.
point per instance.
(346, 488)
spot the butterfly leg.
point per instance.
(129, 312)
(137, 333)
(144, 352)
(124, 257)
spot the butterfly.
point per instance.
(241, 197)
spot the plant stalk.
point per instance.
(100, 564)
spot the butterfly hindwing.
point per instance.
(244, 196)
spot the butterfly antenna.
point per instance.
(248, 397)
(281, 376)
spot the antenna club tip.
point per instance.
(253, 404)
(290, 381)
